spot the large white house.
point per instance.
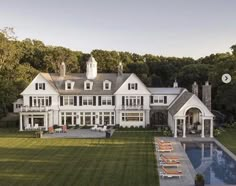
(113, 99)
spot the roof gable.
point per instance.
(41, 78)
(142, 89)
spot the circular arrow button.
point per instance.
(226, 78)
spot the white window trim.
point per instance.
(85, 85)
(105, 83)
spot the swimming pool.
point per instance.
(211, 161)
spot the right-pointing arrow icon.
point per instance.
(226, 78)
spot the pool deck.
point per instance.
(186, 166)
(188, 171)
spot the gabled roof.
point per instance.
(79, 78)
(180, 101)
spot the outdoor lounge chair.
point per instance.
(167, 163)
(169, 158)
(95, 127)
(170, 173)
(164, 149)
(164, 145)
(158, 141)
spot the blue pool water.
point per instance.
(211, 161)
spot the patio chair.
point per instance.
(64, 128)
(28, 127)
(104, 129)
(166, 163)
(95, 127)
(36, 126)
(170, 173)
(50, 130)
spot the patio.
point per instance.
(78, 133)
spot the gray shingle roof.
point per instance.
(179, 103)
(165, 90)
(79, 78)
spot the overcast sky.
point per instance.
(168, 27)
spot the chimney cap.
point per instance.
(207, 83)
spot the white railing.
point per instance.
(132, 107)
(34, 109)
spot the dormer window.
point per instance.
(69, 85)
(106, 85)
(88, 85)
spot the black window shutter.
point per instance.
(61, 100)
(165, 99)
(43, 86)
(151, 99)
(129, 86)
(99, 100)
(80, 100)
(50, 100)
(113, 100)
(36, 86)
(94, 100)
(123, 100)
(30, 101)
(136, 86)
(75, 100)
(141, 100)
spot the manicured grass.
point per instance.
(228, 138)
(125, 159)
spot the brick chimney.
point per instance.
(206, 95)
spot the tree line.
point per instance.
(21, 61)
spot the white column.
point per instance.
(46, 121)
(184, 128)
(203, 130)
(175, 125)
(21, 127)
(32, 121)
(211, 128)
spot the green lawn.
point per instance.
(228, 138)
(125, 159)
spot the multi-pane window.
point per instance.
(38, 101)
(41, 86)
(106, 118)
(106, 100)
(68, 118)
(160, 99)
(132, 117)
(68, 100)
(87, 100)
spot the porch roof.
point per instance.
(179, 103)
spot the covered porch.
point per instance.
(193, 122)
(35, 120)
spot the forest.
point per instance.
(21, 61)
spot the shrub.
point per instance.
(199, 180)
(217, 132)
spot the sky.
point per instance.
(180, 28)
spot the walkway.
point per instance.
(188, 171)
(78, 133)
